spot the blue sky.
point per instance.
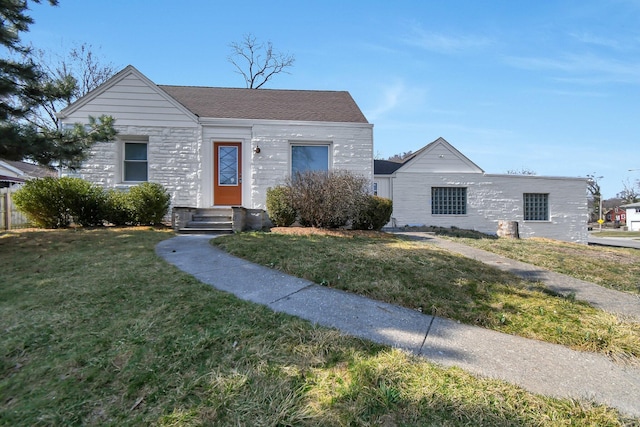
(548, 86)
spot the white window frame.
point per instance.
(125, 160)
(327, 145)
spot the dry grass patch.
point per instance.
(615, 268)
(97, 330)
(432, 280)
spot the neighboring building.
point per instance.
(633, 216)
(15, 173)
(617, 215)
(439, 186)
(220, 147)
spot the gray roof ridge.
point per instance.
(245, 88)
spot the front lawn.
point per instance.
(97, 330)
(615, 268)
(432, 280)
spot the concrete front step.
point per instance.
(203, 224)
(209, 221)
(211, 218)
(208, 230)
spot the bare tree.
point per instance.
(629, 194)
(65, 79)
(400, 157)
(257, 62)
(593, 187)
(522, 171)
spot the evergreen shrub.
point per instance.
(58, 202)
(376, 212)
(280, 206)
(119, 210)
(150, 203)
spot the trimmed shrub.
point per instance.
(118, 208)
(56, 202)
(150, 203)
(42, 201)
(85, 201)
(280, 206)
(327, 200)
(375, 213)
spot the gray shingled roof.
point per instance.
(268, 104)
(385, 167)
(31, 170)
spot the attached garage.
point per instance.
(633, 216)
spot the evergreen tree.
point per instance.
(24, 87)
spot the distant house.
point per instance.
(220, 147)
(15, 173)
(439, 186)
(633, 216)
(617, 214)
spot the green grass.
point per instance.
(615, 268)
(608, 233)
(433, 280)
(97, 330)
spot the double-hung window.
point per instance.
(536, 206)
(135, 161)
(448, 200)
(307, 157)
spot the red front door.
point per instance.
(227, 186)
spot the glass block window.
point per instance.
(448, 200)
(536, 207)
(135, 161)
(309, 158)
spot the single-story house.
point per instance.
(439, 186)
(633, 216)
(15, 173)
(220, 147)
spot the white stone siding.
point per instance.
(173, 156)
(491, 198)
(351, 148)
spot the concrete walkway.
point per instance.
(624, 304)
(539, 367)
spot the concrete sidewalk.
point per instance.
(619, 242)
(625, 304)
(539, 367)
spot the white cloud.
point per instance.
(392, 97)
(583, 68)
(591, 39)
(446, 43)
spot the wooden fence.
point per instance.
(10, 217)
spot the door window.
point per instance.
(227, 165)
